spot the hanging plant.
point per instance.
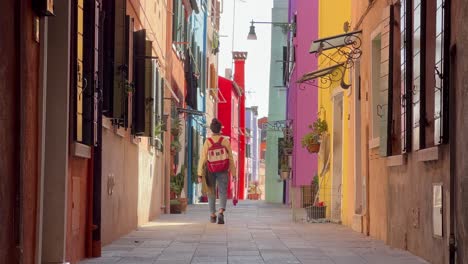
(176, 128)
(287, 145)
(312, 140)
(175, 147)
(285, 170)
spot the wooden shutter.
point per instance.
(150, 87)
(90, 44)
(108, 57)
(386, 81)
(120, 66)
(143, 71)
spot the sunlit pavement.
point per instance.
(255, 232)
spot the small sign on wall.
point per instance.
(437, 210)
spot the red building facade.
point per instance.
(231, 112)
(239, 78)
(228, 114)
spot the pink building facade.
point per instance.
(302, 104)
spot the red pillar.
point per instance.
(239, 78)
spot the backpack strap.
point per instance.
(211, 141)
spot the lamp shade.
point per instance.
(252, 35)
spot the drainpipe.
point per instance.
(20, 101)
(450, 83)
(367, 183)
(97, 149)
(41, 135)
(189, 159)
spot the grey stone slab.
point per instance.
(245, 259)
(102, 260)
(256, 232)
(137, 260)
(244, 253)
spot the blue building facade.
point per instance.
(253, 143)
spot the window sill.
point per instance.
(397, 160)
(429, 154)
(374, 143)
(81, 150)
(120, 131)
(106, 123)
(136, 140)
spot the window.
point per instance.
(441, 72)
(419, 96)
(84, 54)
(117, 80)
(179, 25)
(406, 62)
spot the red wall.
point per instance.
(239, 78)
(229, 102)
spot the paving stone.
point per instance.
(256, 232)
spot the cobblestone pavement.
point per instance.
(255, 232)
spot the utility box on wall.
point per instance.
(44, 7)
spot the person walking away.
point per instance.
(215, 163)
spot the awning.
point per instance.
(333, 42)
(319, 73)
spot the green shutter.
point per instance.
(386, 83)
(120, 78)
(149, 91)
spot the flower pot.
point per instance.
(288, 151)
(183, 204)
(175, 207)
(285, 175)
(253, 196)
(313, 148)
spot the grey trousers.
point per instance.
(221, 179)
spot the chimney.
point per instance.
(239, 58)
(228, 73)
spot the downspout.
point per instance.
(21, 40)
(189, 159)
(450, 83)
(97, 153)
(42, 107)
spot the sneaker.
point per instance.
(221, 219)
(213, 219)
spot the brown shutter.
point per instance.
(386, 81)
(139, 81)
(143, 103)
(120, 67)
(149, 102)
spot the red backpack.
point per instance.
(218, 156)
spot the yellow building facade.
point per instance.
(336, 169)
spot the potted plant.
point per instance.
(178, 204)
(284, 169)
(176, 127)
(254, 191)
(175, 147)
(287, 145)
(312, 140)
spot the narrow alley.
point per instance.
(255, 232)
